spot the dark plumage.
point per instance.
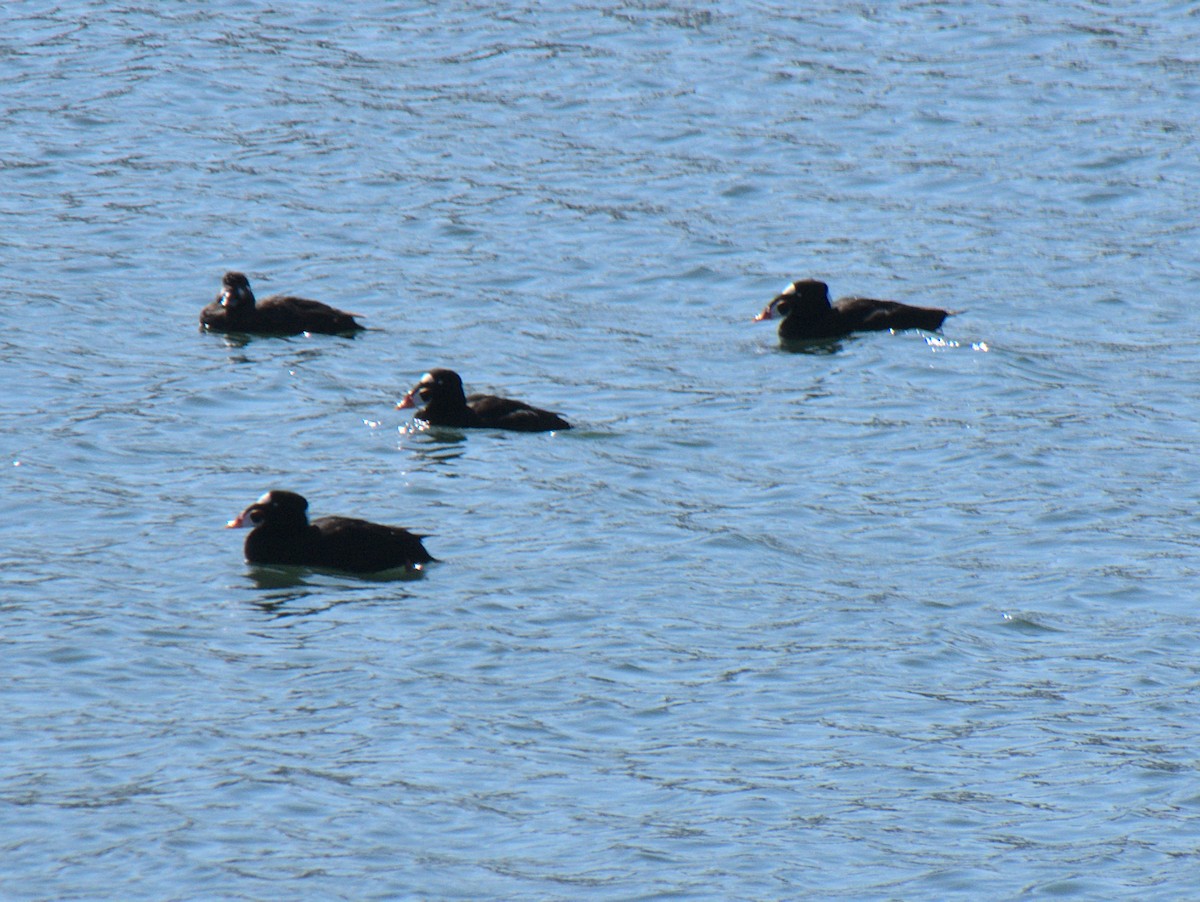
(446, 405)
(282, 534)
(807, 313)
(235, 310)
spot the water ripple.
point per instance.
(904, 615)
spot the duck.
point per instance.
(807, 313)
(235, 310)
(446, 404)
(280, 533)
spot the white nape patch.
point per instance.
(226, 297)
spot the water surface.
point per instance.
(909, 617)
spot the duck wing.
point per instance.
(285, 313)
(871, 314)
(507, 413)
(360, 546)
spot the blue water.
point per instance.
(913, 617)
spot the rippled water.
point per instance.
(911, 616)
